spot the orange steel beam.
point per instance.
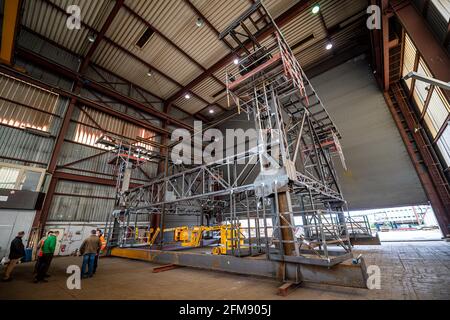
(272, 60)
(10, 21)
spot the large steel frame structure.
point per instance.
(288, 175)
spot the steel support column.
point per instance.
(10, 22)
(421, 158)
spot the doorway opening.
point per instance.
(408, 223)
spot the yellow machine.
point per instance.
(150, 235)
(191, 237)
(230, 237)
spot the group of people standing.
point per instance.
(91, 248)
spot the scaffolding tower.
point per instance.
(287, 192)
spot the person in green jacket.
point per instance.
(48, 250)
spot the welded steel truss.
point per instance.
(285, 194)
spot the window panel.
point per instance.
(438, 109)
(444, 145)
(8, 177)
(20, 177)
(421, 88)
(408, 59)
(30, 180)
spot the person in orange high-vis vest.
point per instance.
(101, 250)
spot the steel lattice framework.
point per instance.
(290, 174)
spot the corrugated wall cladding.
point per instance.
(105, 123)
(113, 104)
(97, 166)
(43, 112)
(177, 22)
(90, 206)
(27, 106)
(34, 43)
(44, 75)
(131, 69)
(24, 146)
(126, 30)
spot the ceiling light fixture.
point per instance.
(187, 96)
(315, 9)
(211, 111)
(199, 22)
(91, 37)
(329, 46)
(236, 61)
(149, 73)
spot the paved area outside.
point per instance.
(411, 235)
(419, 270)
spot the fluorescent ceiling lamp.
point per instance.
(315, 8)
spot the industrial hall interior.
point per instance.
(225, 150)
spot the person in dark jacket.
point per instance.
(16, 252)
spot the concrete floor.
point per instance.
(414, 270)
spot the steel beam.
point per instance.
(87, 179)
(10, 22)
(62, 133)
(155, 30)
(88, 83)
(96, 66)
(119, 47)
(385, 37)
(41, 216)
(346, 275)
(101, 34)
(84, 101)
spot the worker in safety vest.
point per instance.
(101, 250)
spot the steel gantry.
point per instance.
(282, 194)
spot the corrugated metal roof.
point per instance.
(191, 105)
(126, 30)
(176, 21)
(133, 70)
(51, 23)
(207, 88)
(221, 13)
